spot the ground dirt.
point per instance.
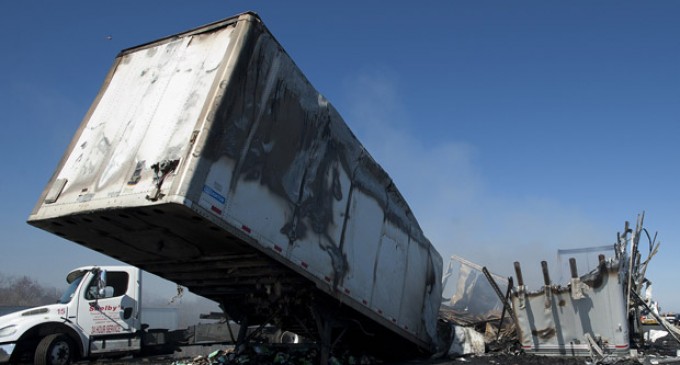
(663, 351)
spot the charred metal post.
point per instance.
(632, 267)
(520, 284)
(577, 287)
(493, 284)
(572, 268)
(503, 299)
(518, 272)
(546, 274)
(507, 306)
(547, 284)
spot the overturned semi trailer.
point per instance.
(207, 158)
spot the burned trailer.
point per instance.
(596, 314)
(588, 313)
(208, 159)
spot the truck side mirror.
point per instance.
(101, 280)
(106, 292)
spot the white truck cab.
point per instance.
(98, 315)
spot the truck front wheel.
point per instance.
(54, 349)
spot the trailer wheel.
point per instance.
(54, 349)
(289, 337)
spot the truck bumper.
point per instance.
(6, 350)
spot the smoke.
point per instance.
(454, 200)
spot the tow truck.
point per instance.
(99, 315)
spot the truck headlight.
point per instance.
(8, 330)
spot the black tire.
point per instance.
(288, 337)
(54, 349)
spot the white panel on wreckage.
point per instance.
(146, 114)
(414, 282)
(366, 227)
(389, 272)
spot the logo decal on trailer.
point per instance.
(214, 194)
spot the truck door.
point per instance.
(110, 321)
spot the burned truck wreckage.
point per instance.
(595, 315)
(208, 159)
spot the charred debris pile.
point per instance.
(605, 315)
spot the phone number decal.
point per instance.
(103, 329)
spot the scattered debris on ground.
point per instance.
(276, 354)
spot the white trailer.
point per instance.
(207, 158)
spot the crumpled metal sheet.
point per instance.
(468, 296)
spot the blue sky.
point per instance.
(512, 128)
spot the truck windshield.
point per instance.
(68, 294)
